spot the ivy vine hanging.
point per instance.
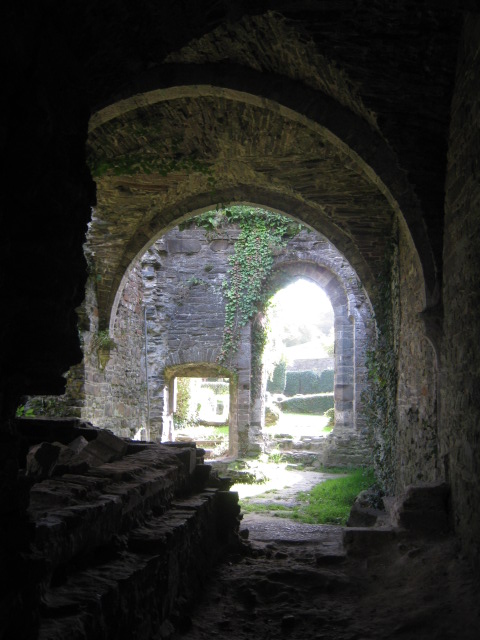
(261, 234)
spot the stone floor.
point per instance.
(282, 486)
(298, 581)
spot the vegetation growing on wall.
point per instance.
(380, 397)
(132, 164)
(159, 158)
(102, 340)
(261, 234)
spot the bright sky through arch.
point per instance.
(302, 302)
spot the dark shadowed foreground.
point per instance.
(299, 582)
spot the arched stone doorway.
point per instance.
(353, 327)
(252, 139)
(344, 326)
(169, 319)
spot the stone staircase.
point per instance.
(322, 451)
(123, 549)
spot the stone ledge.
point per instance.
(367, 541)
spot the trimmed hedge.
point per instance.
(218, 388)
(308, 382)
(315, 404)
(277, 383)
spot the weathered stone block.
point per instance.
(41, 460)
(105, 448)
(422, 508)
(343, 392)
(363, 513)
(183, 245)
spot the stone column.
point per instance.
(243, 366)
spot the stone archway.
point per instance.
(344, 326)
(319, 262)
(171, 308)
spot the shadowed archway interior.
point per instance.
(358, 119)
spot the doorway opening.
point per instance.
(299, 362)
(202, 413)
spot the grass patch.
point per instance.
(205, 431)
(327, 503)
(248, 507)
(330, 502)
(276, 457)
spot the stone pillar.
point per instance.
(243, 365)
(257, 392)
(158, 405)
(233, 417)
(344, 372)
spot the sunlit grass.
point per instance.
(204, 431)
(330, 502)
(327, 503)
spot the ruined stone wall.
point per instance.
(183, 274)
(460, 384)
(178, 286)
(417, 374)
(182, 282)
(115, 391)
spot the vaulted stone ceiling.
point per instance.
(251, 153)
(286, 112)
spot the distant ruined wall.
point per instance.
(183, 274)
(460, 366)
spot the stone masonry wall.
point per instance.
(417, 374)
(183, 274)
(115, 394)
(460, 374)
(178, 286)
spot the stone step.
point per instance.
(163, 564)
(74, 514)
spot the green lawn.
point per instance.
(203, 431)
